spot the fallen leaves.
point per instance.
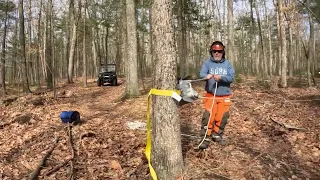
(105, 147)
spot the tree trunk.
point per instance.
(84, 45)
(271, 59)
(23, 50)
(49, 45)
(290, 60)
(166, 152)
(3, 52)
(310, 46)
(29, 59)
(181, 39)
(264, 59)
(132, 88)
(38, 46)
(230, 50)
(283, 45)
(74, 22)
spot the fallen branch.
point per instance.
(36, 172)
(288, 126)
(72, 152)
(57, 167)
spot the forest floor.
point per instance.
(104, 147)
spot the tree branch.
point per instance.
(36, 172)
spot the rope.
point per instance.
(214, 96)
(293, 100)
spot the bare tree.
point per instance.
(283, 45)
(37, 66)
(48, 50)
(22, 49)
(84, 45)
(182, 46)
(264, 59)
(230, 49)
(3, 51)
(74, 21)
(132, 88)
(310, 68)
(166, 152)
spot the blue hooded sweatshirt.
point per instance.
(224, 69)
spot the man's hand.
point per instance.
(209, 76)
(217, 77)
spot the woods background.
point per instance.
(45, 41)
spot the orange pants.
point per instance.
(219, 113)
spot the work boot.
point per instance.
(204, 144)
(218, 139)
(203, 131)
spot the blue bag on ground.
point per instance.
(70, 116)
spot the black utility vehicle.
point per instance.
(107, 74)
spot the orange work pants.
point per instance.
(218, 114)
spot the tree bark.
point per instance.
(37, 68)
(264, 59)
(49, 44)
(3, 52)
(230, 49)
(23, 50)
(181, 39)
(74, 22)
(166, 152)
(84, 45)
(283, 45)
(310, 47)
(132, 88)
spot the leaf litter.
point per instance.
(106, 148)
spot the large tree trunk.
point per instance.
(166, 152)
(283, 44)
(23, 64)
(3, 53)
(132, 88)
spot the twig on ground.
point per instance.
(288, 126)
(36, 172)
(259, 107)
(57, 167)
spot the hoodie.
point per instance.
(224, 69)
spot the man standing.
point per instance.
(219, 74)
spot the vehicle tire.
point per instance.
(114, 82)
(99, 83)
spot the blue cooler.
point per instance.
(70, 116)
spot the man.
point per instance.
(219, 74)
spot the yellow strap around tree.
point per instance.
(156, 92)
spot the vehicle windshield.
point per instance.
(108, 68)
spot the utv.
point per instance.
(107, 74)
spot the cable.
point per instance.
(214, 96)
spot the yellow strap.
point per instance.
(156, 92)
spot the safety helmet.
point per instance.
(217, 46)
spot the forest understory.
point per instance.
(273, 133)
